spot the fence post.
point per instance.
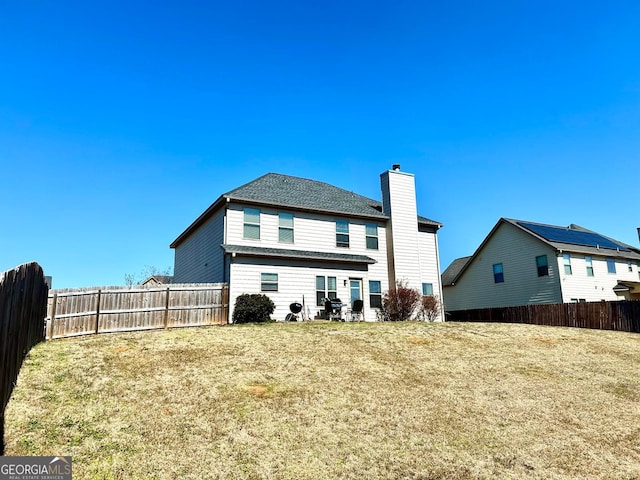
(98, 311)
(53, 314)
(225, 304)
(166, 309)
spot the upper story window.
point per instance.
(252, 223)
(371, 232)
(342, 233)
(611, 265)
(589, 262)
(427, 289)
(567, 263)
(285, 227)
(543, 265)
(498, 273)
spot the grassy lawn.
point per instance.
(347, 401)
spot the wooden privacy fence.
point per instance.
(86, 311)
(622, 315)
(23, 305)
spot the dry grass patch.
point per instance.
(348, 401)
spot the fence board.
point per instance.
(623, 315)
(23, 301)
(73, 312)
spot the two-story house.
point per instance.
(300, 240)
(522, 263)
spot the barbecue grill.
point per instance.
(333, 308)
(295, 308)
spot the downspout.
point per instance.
(227, 271)
(442, 307)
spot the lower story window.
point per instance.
(427, 289)
(375, 294)
(269, 282)
(326, 287)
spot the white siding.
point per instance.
(399, 200)
(517, 251)
(429, 266)
(599, 287)
(311, 232)
(199, 258)
(297, 283)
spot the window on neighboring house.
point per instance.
(498, 274)
(285, 227)
(427, 289)
(543, 265)
(611, 265)
(371, 232)
(342, 233)
(269, 282)
(567, 263)
(252, 223)
(589, 262)
(326, 287)
(375, 294)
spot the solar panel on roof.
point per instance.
(573, 237)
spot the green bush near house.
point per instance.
(253, 307)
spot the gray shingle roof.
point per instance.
(301, 193)
(299, 254)
(452, 271)
(275, 189)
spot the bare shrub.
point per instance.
(400, 303)
(430, 308)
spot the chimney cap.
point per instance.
(396, 167)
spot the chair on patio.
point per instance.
(356, 314)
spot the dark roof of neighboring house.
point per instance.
(299, 254)
(453, 270)
(160, 279)
(571, 239)
(577, 239)
(277, 190)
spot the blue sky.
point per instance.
(120, 122)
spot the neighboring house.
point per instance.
(522, 263)
(158, 280)
(300, 240)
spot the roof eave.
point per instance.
(486, 240)
(229, 249)
(222, 199)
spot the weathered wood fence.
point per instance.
(23, 305)
(86, 311)
(623, 316)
